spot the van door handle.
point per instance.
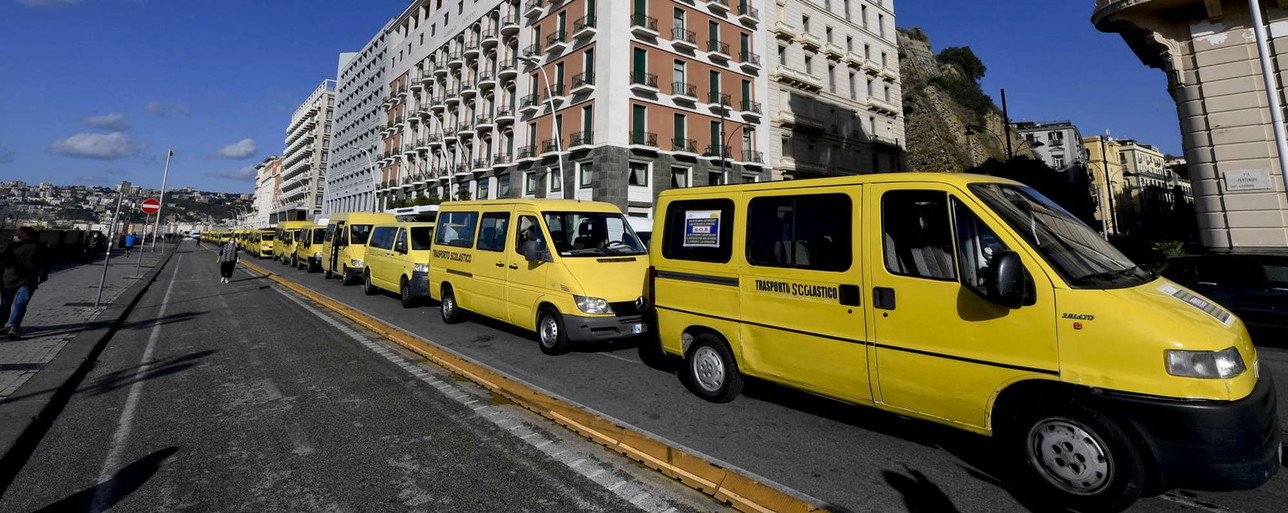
(883, 298)
(514, 266)
(500, 264)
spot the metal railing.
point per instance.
(643, 138)
(644, 79)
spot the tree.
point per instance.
(964, 59)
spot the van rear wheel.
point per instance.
(1079, 458)
(404, 293)
(367, 287)
(452, 312)
(710, 370)
(550, 333)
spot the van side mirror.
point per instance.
(1006, 280)
(535, 251)
(401, 247)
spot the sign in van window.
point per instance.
(702, 229)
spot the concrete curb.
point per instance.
(723, 482)
(24, 422)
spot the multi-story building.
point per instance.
(1061, 143)
(1106, 167)
(1152, 184)
(352, 173)
(268, 181)
(1209, 53)
(304, 163)
(834, 93)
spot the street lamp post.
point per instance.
(554, 119)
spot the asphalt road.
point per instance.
(240, 397)
(851, 457)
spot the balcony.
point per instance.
(643, 25)
(527, 152)
(434, 140)
(752, 156)
(810, 41)
(833, 51)
(581, 139)
(530, 104)
(748, 14)
(798, 79)
(502, 159)
(507, 70)
(642, 139)
(486, 80)
(872, 67)
(436, 104)
(489, 38)
(549, 146)
(484, 124)
(556, 42)
(718, 6)
(455, 59)
(467, 89)
(449, 136)
(462, 170)
(510, 25)
(417, 85)
(440, 71)
(644, 82)
(717, 49)
(557, 93)
(749, 60)
(422, 144)
(717, 100)
(481, 165)
(749, 107)
(453, 97)
(682, 38)
(583, 27)
(882, 106)
(889, 74)
(465, 131)
(472, 49)
(789, 119)
(504, 115)
(532, 50)
(683, 145)
(716, 152)
(534, 8)
(409, 150)
(583, 83)
(684, 91)
(784, 31)
(854, 60)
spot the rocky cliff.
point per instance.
(936, 113)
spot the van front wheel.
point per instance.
(452, 312)
(367, 287)
(404, 294)
(1082, 458)
(710, 370)
(550, 333)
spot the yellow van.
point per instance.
(974, 302)
(262, 243)
(398, 261)
(287, 238)
(346, 243)
(570, 270)
(308, 253)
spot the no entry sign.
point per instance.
(150, 206)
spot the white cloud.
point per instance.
(115, 145)
(239, 150)
(113, 122)
(42, 3)
(164, 108)
(245, 174)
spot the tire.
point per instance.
(1078, 458)
(295, 261)
(710, 371)
(551, 335)
(367, 287)
(404, 294)
(344, 277)
(451, 310)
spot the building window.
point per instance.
(805, 23)
(556, 179)
(782, 55)
(831, 79)
(530, 183)
(809, 65)
(680, 177)
(503, 186)
(586, 174)
(638, 176)
(716, 178)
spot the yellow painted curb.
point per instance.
(724, 485)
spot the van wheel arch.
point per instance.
(692, 332)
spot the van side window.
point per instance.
(456, 229)
(492, 231)
(528, 230)
(421, 236)
(699, 230)
(382, 238)
(341, 235)
(916, 236)
(976, 245)
(803, 232)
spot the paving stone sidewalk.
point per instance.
(61, 308)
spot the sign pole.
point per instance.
(164, 175)
(111, 241)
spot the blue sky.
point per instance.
(95, 91)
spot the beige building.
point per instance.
(268, 182)
(1209, 53)
(1106, 170)
(304, 163)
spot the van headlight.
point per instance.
(420, 268)
(593, 305)
(1222, 364)
(355, 263)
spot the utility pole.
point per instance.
(111, 241)
(156, 228)
(1006, 126)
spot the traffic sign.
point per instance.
(150, 206)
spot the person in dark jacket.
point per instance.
(24, 264)
(227, 259)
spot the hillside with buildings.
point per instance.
(47, 205)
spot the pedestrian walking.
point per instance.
(227, 259)
(129, 243)
(24, 264)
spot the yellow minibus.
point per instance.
(398, 261)
(346, 242)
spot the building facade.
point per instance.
(352, 173)
(304, 163)
(1060, 143)
(1106, 167)
(1153, 185)
(268, 188)
(834, 91)
(1208, 51)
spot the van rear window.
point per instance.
(699, 230)
(456, 229)
(800, 231)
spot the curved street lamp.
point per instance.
(554, 119)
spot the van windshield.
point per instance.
(1078, 254)
(266, 236)
(592, 234)
(358, 233)
(421, 237)
(319, 236)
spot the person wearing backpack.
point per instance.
(24, 265)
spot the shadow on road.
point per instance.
(920, 495)
(120, 486)
(157, 369)
(61, 329)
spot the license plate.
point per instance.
(636, 329)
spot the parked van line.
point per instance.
(344, 249)
(308, 253)
(287, 239)
(397, 260)
(988, 308)
(571, 271)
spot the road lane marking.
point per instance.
(615, 357)
(126, 422)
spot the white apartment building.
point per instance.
(352, 172)
(834, 92)
(304, 162)
(267, 181)
(1057, 143)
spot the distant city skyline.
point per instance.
(217, 82)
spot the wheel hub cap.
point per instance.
(708, 369)
(549, 331)
(1070, 456)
